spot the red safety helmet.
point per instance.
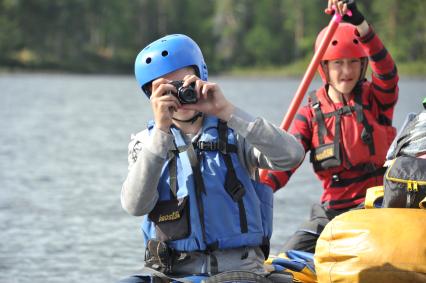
(344, 44)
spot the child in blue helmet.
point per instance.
(192, 172)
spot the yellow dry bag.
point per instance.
(373, 245)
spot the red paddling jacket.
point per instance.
(348, 143)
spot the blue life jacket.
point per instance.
(233, 218)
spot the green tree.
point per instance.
(105, 36)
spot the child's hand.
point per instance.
(357, 18)
(163, 103)
(342, 6)
(210, 99)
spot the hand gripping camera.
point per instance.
(185, 95)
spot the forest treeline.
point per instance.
(105, 35)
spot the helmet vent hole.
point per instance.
(148, 60)
(334, 42)
(164, 53)
(355, 41)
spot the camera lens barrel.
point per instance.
(185, 95)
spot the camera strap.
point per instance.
(190, 120)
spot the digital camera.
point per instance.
(185, 95)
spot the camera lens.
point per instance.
(187, 95)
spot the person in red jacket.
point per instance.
(347, 124)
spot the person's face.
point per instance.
(343, 74)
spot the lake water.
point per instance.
(63, 157)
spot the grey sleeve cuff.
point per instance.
(241, 122)
(160, 143)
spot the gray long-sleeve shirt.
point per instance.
(260, 145)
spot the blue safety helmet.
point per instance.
(168, 54)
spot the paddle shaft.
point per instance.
(310, 72)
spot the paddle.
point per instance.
(308, 76)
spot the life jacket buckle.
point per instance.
(158, 256)
(335, 178)
(316, 105)
(235, 190)
(366, 136)
(207, 145)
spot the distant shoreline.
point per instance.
(294, 70)
(297, 69)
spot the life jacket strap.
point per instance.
(232, 185)
(345, 110)
(367, 132)
(367, 167)
(319, 116)
(337, 134)
(265, 247)
(340, 182)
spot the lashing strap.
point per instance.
(422, 204)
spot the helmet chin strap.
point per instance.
(190, 120)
